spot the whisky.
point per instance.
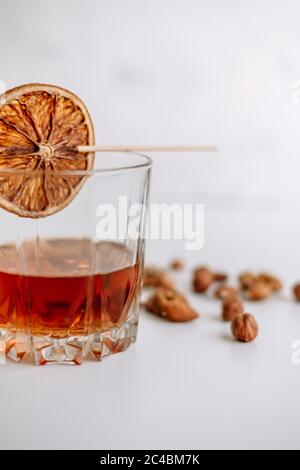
(66, 288)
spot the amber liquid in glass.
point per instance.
(66, 287)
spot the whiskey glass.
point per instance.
(70, 282)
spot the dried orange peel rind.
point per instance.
(40, 129)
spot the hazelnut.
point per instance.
(232, 306)
(259, 291)
(224, 291)
(244, 328)
(203, 278)
(297, 292)
(220, 277)
(155, 277)
(171, 305)
(273, 282)
(177, 264)
(246, 279)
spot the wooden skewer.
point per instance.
(146, 148)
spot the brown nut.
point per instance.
(177, 264)
(170, 304)
(273, 282)
(244, 328)
(246, 279)
(297, 292)
(259, 291)
(155, 277)
(203, 279)
(232, 306)
(220, 277)
(224, 291)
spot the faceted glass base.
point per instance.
(70, 350)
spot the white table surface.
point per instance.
(181, 385)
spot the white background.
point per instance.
(168, 72)
(174, 71)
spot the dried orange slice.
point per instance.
(40, 129)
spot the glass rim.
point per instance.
(146, 163)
